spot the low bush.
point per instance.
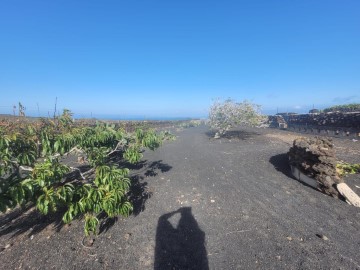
(30, 170)
(227, 114)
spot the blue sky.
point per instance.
(172, 58)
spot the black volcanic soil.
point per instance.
(204, 204)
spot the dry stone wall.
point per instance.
(341, 120)
(277, 121)
(315, 158)
(327, 124)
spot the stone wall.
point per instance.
(343, 120)
(315, 158)
(276, 121)
(327, 131)
(327, 124)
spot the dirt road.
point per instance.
(215, 204)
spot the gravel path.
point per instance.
(215, 204)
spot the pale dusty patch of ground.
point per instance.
(287, 138)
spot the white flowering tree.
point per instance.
(226, 114)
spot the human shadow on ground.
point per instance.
(180, 245)
(28, 220)
(281, 164)
(234, 134)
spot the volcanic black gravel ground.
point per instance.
(214, 204)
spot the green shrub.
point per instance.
(344, 168)
(30, 170)
(227, 114)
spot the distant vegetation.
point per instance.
(354, 107)
(191, 123)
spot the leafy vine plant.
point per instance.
(31, 170)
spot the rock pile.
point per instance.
(277, 121)
(315, 157)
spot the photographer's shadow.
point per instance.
(180, 243)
